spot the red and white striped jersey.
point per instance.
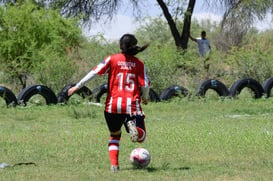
(126, 75)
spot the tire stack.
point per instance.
(172, 91)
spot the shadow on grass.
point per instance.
(162, 168)
(153, 169)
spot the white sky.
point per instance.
(123, 22)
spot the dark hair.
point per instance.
(203, 33)
(128, 45)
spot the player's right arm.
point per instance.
(100, 69)
(85, 79)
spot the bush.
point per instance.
(32, 36)
(253, 60)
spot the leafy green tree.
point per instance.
(238, 14)
(32, 36)
(254, 59)
(239, 18)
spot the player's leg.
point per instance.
(113, 148)
(114, 123)
(136, 127)
(140, 124)
(130, 125)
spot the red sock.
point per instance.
(113, 147)
(141, 135)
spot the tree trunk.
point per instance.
(187, 25)
(23, 80)
(180, 41)
(171, 22)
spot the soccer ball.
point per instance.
(140, 158)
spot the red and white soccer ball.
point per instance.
(140, 158)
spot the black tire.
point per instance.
(102, 89)
(253, 84)
(267, 86)
(153, 96)
(173, 91)
(8, 96)
(30, 91)
(63, 97)
(213, 84)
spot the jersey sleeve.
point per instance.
(100, 69)
(103, 67)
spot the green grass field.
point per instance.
(198, 139)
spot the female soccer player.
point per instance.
(126, 79)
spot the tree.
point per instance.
(236, 13)
(31, 36)
(94, 10)
(239, 18)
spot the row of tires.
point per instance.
(222, 90)
(213, 84)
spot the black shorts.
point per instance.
(115, 121)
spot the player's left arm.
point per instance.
(145, 85)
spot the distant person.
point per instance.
(204, 49)
(126, 79)
(203, 44)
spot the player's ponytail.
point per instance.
(128, 45)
